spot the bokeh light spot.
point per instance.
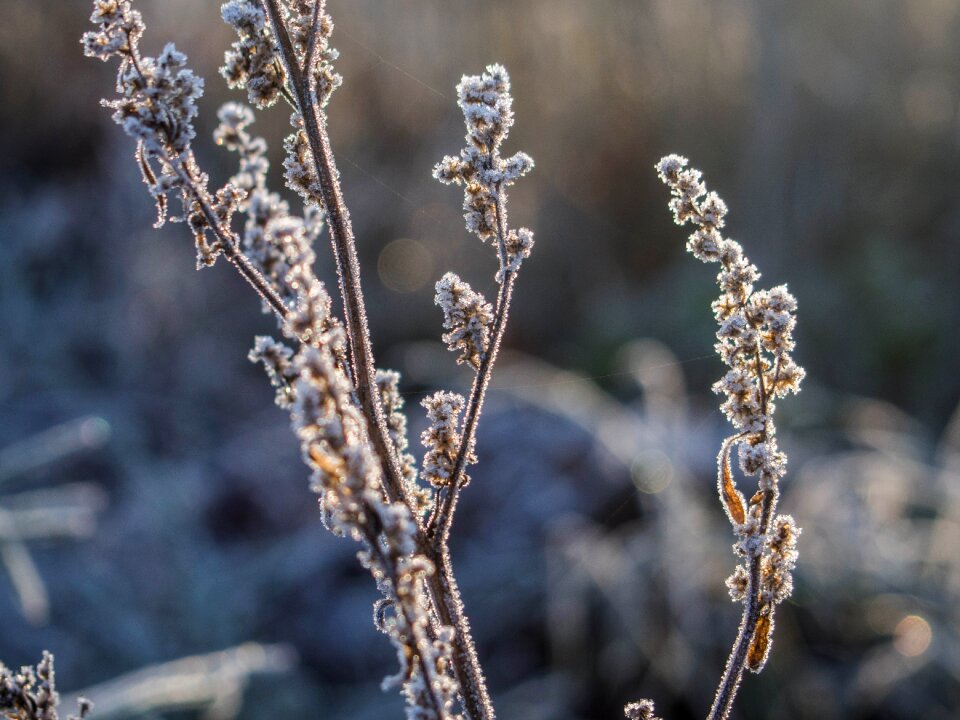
(912, 636)
(651, 471)
(404, 265)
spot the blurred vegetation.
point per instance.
(831, 129)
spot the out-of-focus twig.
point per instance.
(214, 682)
(65, 512)
(85, 433)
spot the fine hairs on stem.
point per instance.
(347, 413)
(755, 341)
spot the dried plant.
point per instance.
(346, 413)
(755, 340)
(31, 694)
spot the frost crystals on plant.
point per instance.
(755, 340)
(347, 415)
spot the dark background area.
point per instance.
(590, 545)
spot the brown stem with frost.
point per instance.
(231, 251)
(228, 240)
(443, 591)
(737, 661)
(442, 521)
(345, 255)
(373, 530)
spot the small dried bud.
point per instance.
(518, 246)
(641, 710)
(466, 316)
(738, 584)
(442, 438)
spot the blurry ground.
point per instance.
(590, 546)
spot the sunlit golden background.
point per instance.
(153, 509)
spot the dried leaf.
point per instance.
(151, 181)
(331, 465)
(731, 498)
(760, 645)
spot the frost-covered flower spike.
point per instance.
(157, 105)
(488, 113)
(475, 327)
(755, 341)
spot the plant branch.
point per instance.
(442, 589)
(345, 257)
(228, 242)
(736, 662)
(733, 672)
(442, 521)
(449, 607)
(310, 58)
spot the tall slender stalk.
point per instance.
(755, 340)
(737, 661)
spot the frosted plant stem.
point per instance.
(446, 605)
(755, 334)
(230, 250)
(736, 663)
(429, 671)
(345, 257)
(442, 522)
(227, 239)
(473, 685)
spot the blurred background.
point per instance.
(154, 514)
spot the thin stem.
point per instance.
(733, 672)
(449, 606)
(430, 683)
(228, 242)
(310, 58)
(736, 662)
(442, 521)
